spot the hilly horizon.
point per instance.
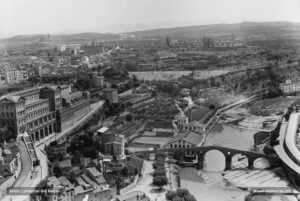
(164, 29)
(221, 31)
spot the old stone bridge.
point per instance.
(228, 153)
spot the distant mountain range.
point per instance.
(240, 29)
(244, 29)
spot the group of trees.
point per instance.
(159, 174)
(6, 134)
(180, 195)
(84, 146)
(113, 73)
(168, 87)
(84, 83)
(111, 109)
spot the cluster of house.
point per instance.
(91, 186)
(10, 166)
(43, 110)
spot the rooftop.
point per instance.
(93, 171)
(189, 136)
(130, 195)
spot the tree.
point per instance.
(129, 117)
(57, 171)
(5, 134)
(160, 181)
(182, 192)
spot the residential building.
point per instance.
(10, 166)
(97, 176)
(114, 144)
(290, 86)
(15, 75)
(64, 186)
(88, 193)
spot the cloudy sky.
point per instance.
(71, 16)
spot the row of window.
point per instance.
(6, 122)
(21, 113)
(7, 114)
(21, 121)
(7, 107)
(179, 146)
(41, 121)
(36, 106)
(37, 113)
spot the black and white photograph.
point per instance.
(149, 100)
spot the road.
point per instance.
(145, 184)
(25, 162)
(25, 179)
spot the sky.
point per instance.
(18, 17)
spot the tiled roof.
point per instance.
(198, 113)
(65, 163)
(65, 182)
(53, 182)
(189, 136)
(10, 98)
(93, 171)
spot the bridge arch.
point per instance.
(214, 161)
(239, 161)
(261, 163)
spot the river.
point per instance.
(214, 188)
(231, 137)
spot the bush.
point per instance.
(160, 181)
(158, 165)
(180, 195)
(159, 172)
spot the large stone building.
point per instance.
(42, 111)
(26, 110)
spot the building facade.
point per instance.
(26, 110)
(42, 111)
(15, 75)
(290, 87)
